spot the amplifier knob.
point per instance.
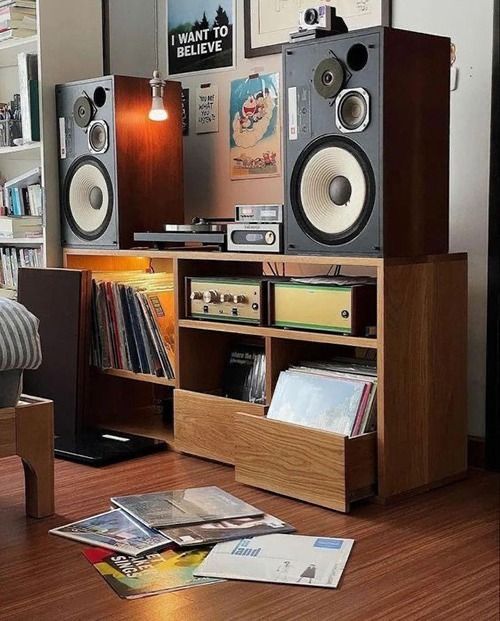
(196, 295)
(239, 299)
(211, 297)
(270, 238)
(225, 297)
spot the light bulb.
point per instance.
(158, 112)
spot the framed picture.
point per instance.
(200, 35)
(268, 23)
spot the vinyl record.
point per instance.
(329, 77)
(88, 198)
(82, 111)
(332, 190)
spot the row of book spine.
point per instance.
(126, 333)
(21, 201)
(11, 259)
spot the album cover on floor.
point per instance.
(132, 577)
(226, 530)
(114, 530)
(184, 506)
(292, 559)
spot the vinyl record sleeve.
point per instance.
(184, 506)
(114, 530)
(289, 559)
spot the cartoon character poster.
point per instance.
(255, 138)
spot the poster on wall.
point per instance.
(200, 35)
(207, 108)
(268, 24)
(185, 111)
(255, 137)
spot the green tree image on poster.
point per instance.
(200, 35)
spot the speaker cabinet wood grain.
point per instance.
(130, 177)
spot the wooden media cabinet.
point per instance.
(421, 353)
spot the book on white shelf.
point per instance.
(15, 33)
(21, 227)
(28, 89)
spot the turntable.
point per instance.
(204, 231)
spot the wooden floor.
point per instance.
(432, 557)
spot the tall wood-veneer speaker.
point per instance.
(120, 172)
(367, 144)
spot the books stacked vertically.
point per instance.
(29, 94)
(245, 375)
(133, 322)
(11, 259)
(17, 19)
(338, 396)
(22, 195)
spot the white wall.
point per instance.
(210, 192)
(470, 26)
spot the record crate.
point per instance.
(420, 349)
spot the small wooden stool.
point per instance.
(28, 431)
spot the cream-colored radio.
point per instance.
(240, 300)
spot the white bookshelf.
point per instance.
(69, 47)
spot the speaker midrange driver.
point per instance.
(98, 137)
(88, 198)
(352, 110)
(332, 190)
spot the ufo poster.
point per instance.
(255, 136)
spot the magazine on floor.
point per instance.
(133, 577)
(114, 530)
(184, 506)
(290, 559)
(226, 530)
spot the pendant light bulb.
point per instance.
(157, 111)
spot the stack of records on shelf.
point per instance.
(133, 322)
(338, 396)
(11, 259)
(245, 375)
(151, 543)
(17, 19)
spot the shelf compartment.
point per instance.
(138, 377)
(204, 424)
(280, 333)
(10, 48)
(317, 466)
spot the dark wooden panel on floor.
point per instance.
(432, 556)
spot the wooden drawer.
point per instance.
(203, 424)
(320, 467)
(7, 432)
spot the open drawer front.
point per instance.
(203, 424)
(320, 467)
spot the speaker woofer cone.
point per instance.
(88, 198)
(332, 190)
(352, 110)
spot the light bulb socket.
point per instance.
(157, 84)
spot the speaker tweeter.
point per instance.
(352, 110)
(98, 137)
(329, 78)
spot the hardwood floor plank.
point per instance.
(434, 556)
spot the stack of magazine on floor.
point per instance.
(133, 322)
(153, 537)
(338, 396)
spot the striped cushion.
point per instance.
(19, 338)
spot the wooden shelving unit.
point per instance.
(420, 351)
(138, 377)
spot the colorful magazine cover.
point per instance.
(289, 559)
(226, 530)
(132, 577)
(184, 506)
(114, 530)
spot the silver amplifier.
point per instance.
(255, 237)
